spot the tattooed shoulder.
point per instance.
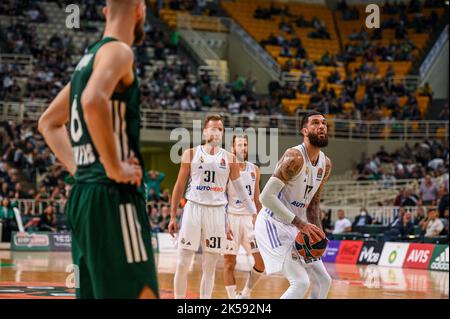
(289, 165)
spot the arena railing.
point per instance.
(33, 207)
(364, 193)
(168, 120)
(289, 125)
(382, 214)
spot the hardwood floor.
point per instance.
(44, 275)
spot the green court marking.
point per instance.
(4, 264)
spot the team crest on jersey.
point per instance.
(294, 256)
(252, 174)
(319, 174)
(201, 159)
(307, 171)
(222, 163)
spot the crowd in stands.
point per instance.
(28, 170)
(195, 7)
(429, 157)
(175, 86)
(289, 19)
(427, 224)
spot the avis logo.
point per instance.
(418, 256)
(369, 255)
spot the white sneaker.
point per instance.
(241, 296)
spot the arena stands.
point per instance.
(366, 80)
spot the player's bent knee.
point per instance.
(300, 286)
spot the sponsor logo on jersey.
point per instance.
(298, 204)
(209, 188)
(319, 174)
(200, 167)
(440, 259)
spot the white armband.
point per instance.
(244, 196)
(269, 198)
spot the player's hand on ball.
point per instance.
(313, 232)
(173, 227)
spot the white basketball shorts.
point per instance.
(205, 224)
(243, 234)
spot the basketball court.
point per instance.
(41, 275)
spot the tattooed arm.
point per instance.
(313, 210)
(288, 167)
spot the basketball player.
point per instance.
(241, 223)
(106, 207)
(291, 204)
(209, 168)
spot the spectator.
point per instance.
(410, 198)
(428, 191)
(362, 219)
(401, 229)
(342, 225)
(154, 179)
(165, 196)
(7, 217)
(432, 225)
(155, 219)
(165, 218)
(420, 215)
(445, 221)
(325, 221)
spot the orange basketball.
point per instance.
(308, 248)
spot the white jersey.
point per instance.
(299, 191)
(209, 177)
(248, 178)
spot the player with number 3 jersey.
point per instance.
(208, 168)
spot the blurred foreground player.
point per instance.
(208, 168)
(106, 208)
(291, 204)
(242, 222)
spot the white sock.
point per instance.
(252, 279)
(209, 272)
(231, 291)
(180, 280)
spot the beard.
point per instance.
(139, 33)
(242, 156)
(316, 141)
